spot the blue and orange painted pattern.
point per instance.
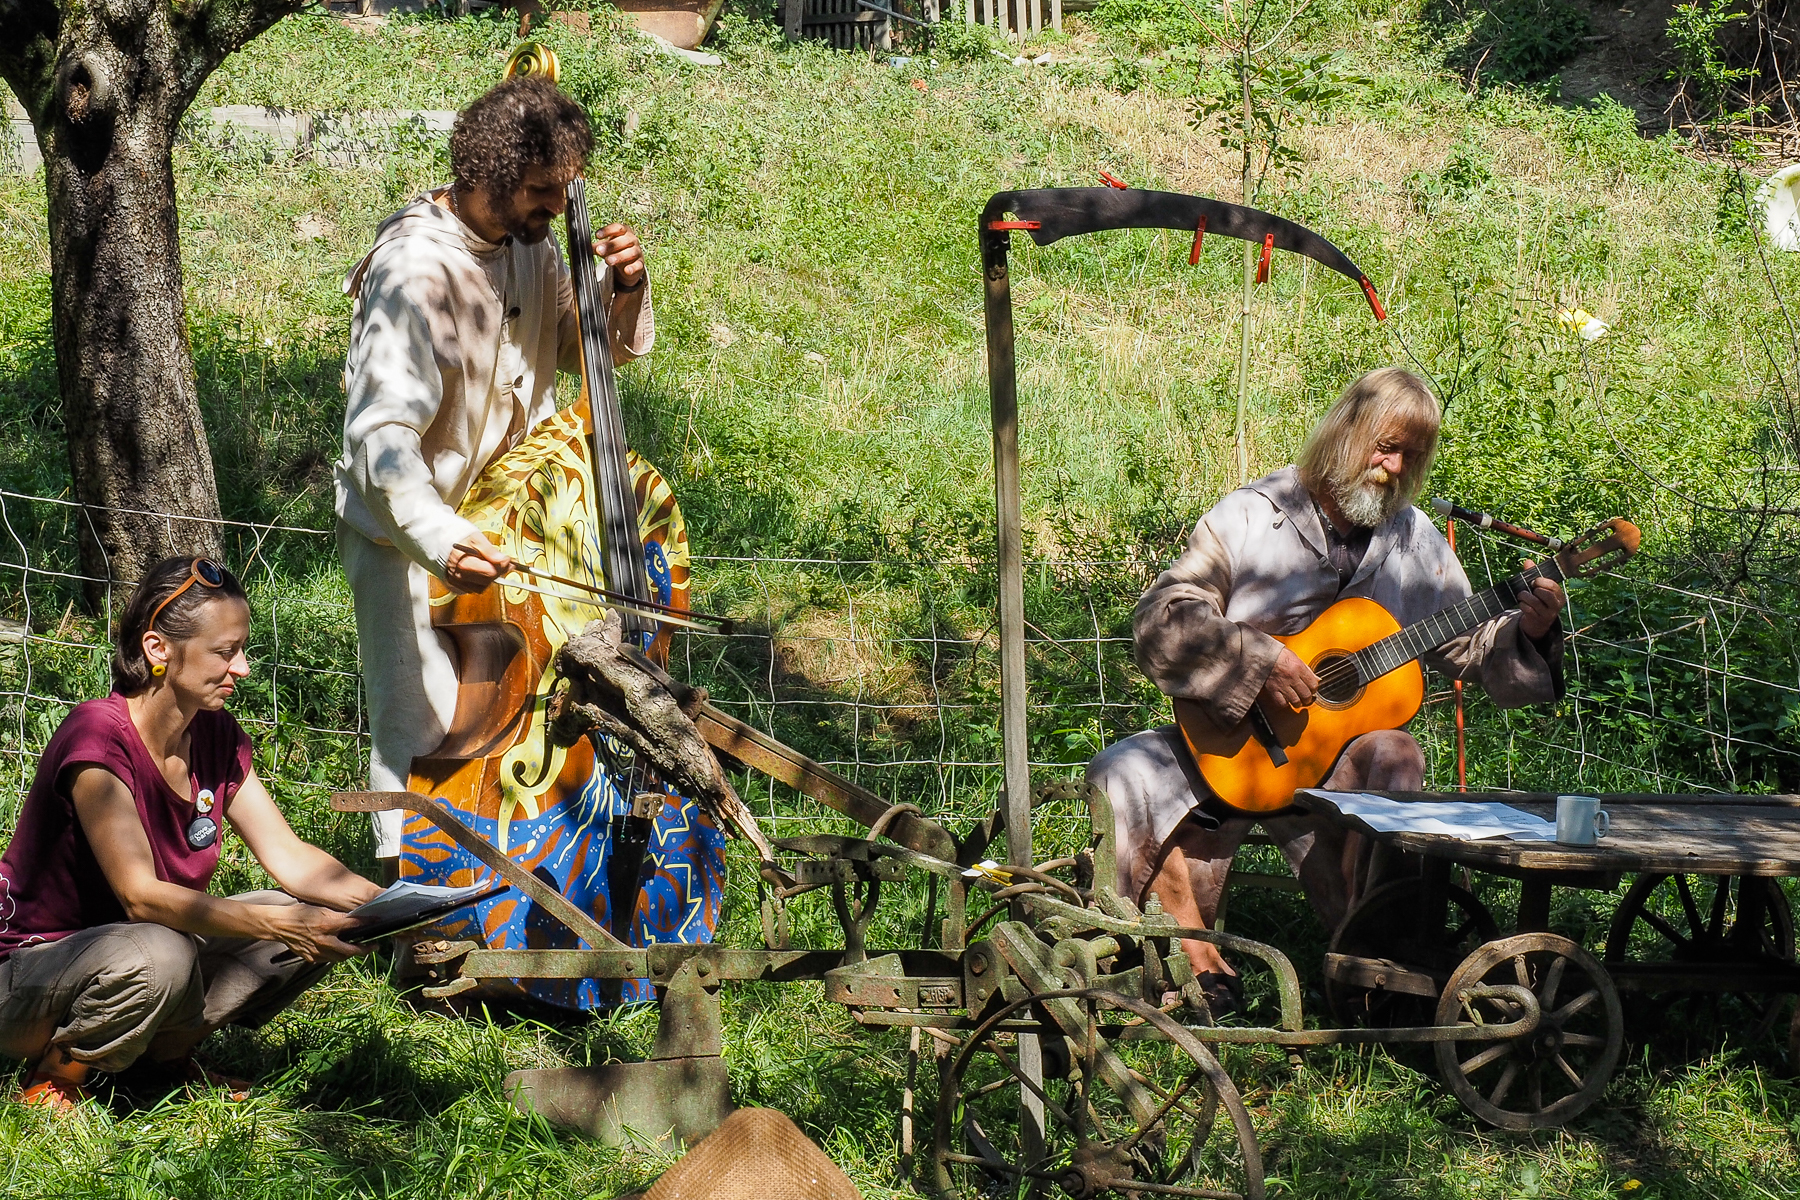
(569, 848)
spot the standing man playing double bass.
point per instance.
(463, 312)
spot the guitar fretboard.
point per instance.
(622, 560)
(1421, 637)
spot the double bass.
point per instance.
(570, 501)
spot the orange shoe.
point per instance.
(58, 1095)
(201, 1074)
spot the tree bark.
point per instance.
(106, 83)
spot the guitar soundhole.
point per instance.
(1339, 684)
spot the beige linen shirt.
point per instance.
(454, 346)
(1256, 565)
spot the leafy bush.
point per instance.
(1700, 67)
(1464, 173)
(1150, 24)
(1512, 41)
(958, 41)
(1125, 75)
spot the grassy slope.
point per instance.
(803, 205)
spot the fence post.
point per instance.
(792, 17)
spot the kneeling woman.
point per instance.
(111, 951)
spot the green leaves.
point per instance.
(1700, 67)
(1282, 85)
(1512, 41)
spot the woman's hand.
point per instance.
(619, 248)
(312, 932)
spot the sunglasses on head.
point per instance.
(204, 572)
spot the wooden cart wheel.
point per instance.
(1393, 923)
(1554, 1074)
(1702, 921)
(1133, 1118)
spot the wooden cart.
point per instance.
(1705, 919)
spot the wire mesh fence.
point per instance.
(886, 670)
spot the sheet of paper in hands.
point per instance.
(1471, 820)
(404, 904)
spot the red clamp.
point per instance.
(1262, 268)
(1374, 300)
(999, 225)
(1111, 180)
(1199, 236)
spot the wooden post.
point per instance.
(1003, 393)
(1239, 438)
(1056, 15)
(1462, 745)
(792, 17)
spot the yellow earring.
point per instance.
(158, 670)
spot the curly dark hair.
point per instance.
(523, 122)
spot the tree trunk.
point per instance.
(137, 449)
(106, 84)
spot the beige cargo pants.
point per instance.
(115, 992)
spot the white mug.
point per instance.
(1580, 821)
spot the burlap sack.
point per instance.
(757, 1154)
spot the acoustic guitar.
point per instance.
(1369, 679)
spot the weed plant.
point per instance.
(818, 393)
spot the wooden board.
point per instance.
(1694, 835)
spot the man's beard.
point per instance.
(528, 227)
(523, 231)
(1372, 498)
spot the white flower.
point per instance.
(815, 358)
(1580, 321)
(720, 334)
(1778, 199)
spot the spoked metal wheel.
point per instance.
(1554, 1074)
(1134, 1118)
(1400, 922)
(1717, 930)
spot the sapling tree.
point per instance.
(1264, 85)
(106, 83)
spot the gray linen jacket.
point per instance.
(1256, 565)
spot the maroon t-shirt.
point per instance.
(50, 883)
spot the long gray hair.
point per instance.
(1337, 451)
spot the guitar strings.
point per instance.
(1348, 669)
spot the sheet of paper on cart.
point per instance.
(1471, 820)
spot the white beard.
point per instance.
(1372, 499)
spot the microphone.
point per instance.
(1483, 520)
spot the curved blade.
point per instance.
(1057, 213)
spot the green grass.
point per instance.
(818, 392)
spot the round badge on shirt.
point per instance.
(203, 830)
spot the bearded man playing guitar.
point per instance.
(1267, 561)
(463, 313)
